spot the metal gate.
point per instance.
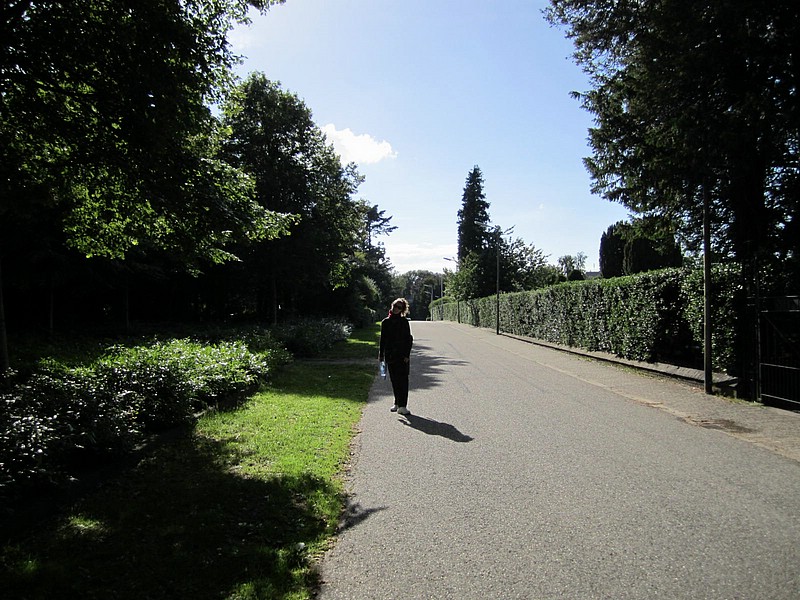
(779, 351)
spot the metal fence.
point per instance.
(779, 351)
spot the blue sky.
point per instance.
(418, 92)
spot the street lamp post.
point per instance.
(497, 289)
(426, 286)
(458, 302)
(499, 235)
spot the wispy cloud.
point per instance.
(358, 148)
(243, 38)
(408, 256)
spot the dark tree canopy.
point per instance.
(274, 139)
(473, 217)
(612, 250)
(105, 125)
(108, 144)
(642, 245)
(697, 96)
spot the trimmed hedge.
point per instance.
(654, 317)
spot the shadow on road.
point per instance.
(427, 371)
(354, 514)
(427, 367)
(431, 427)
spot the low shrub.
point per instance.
(310, 337)
(61, 411)
(57, 413)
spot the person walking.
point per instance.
(395, 349)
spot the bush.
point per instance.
(310, 337)
(104, 408)
(58, 413)
(170, 381)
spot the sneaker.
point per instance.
(403, 410)
(394, 408)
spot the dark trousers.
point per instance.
(398, 373)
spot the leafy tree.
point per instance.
(524, 267)
(371, 289)
(104, 128)
(274, 139)
(651, 245)
(697, 103)
(643, 245)
(377, 224)
(473, 217)
(573, 267)
(420, 288)
(111, 131)
(464, 283)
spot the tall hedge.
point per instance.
(655, 316)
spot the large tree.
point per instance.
(274, 139)
(698, 101)
(473, 216)
(696, 96)
(104, 119)
(105, 130)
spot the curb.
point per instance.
(724, 383)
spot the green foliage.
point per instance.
(310, 337)
(473, 217)
(170, 381)
(104, 408)
(272, 138)
(110, 137)
(644, 244)
(419, 288)
(692, 102)
(612, 250)
(654, 316)
(727, 294)
(362, 300)
(57, 412)
(572, 267)
(238, 508)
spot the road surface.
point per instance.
(524, 472)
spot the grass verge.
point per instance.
(237, 507)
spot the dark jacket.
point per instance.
(396, 339)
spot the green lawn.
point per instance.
(240, 506)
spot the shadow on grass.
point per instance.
(180, 524)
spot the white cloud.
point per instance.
(422, 256)
(243, 38)
(361, 149)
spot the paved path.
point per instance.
(525, 472)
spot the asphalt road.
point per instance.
(525, 472)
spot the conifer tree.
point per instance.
(473, 218)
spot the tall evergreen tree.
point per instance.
(612, 250)
(473, 218)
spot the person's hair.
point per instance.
(401, 302)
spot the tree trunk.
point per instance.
(51, 308)
(749, 216)
(707, 325)
(4, 360)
